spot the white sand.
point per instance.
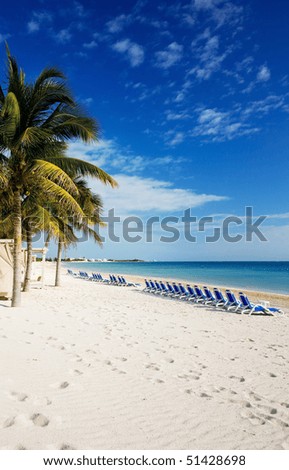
(90, 366)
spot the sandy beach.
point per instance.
(92, 366)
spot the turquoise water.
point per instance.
(262, 276)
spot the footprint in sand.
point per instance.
(66, 447)
(205, 395)
(19, 396)
(20, 447)
(64, 385)
(9, 422)
(76, 372)
(39, 420)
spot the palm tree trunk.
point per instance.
(47, 241)
(58, 263)
(17, 255)
(27, 279)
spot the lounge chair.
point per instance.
(232, 303)
(185, 293)
(171, 289)
(200, 296)
(249, 307)
(129, 284)
(147, 287)
(220, 299)
(192, 293)
(165, 290)
(210, 297)
(154, 288)
(177, 290)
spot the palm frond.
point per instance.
(68, 203)
(55, 173)
(76, 167)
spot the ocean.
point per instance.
(261, 276)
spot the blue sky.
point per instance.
(193, 102)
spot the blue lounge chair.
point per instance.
(147, 286)
(165, 290)
(158, 287)
(200, 296)
(232, 303)
(154, 288)
(185, 294)
(192, 293)
(177, 291)
(171, 289)
(84, 275)
(249, 307)
(221, 301)
(71, 273)
(101, 279)
(210, 298)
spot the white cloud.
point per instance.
(270, 103)
(63, 36)
(205, 4)
(133, 52)
(206, 49)
(172, 116)
(139, 195)
(169, 57)
(33, 26)
(108, 155)
(222, 12)
(264, 74)
(79, 9)
(178, 138)
(117, 24)
(90, 45)
(39, 19)
(219, 126)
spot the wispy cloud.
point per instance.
(266, 105)
(109, 154)
(63, 36)
(39, 20)
(218, 126)
(117, 24)
(263, 74)
(90, 45)
(170, 56)
(220, 11)
(133, 52)
(206, 49)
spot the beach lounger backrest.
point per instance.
(191, 290)
(171, 289)
(219, 295)
(199, 291)
(208, 293)
(245, 301)
(176, 289)
(183, 290)
(231, 297)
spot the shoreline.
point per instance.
(275, 299)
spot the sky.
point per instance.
(192, 99)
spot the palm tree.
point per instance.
(36, 121)
(91, 205)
